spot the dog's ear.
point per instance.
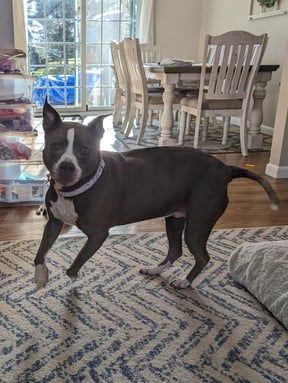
(51, 118)
(97, 125)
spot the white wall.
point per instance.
(177, 27)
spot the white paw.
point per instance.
(180, 283)
(41, 276)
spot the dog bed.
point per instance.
(262, 268)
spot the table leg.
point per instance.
(167, 119)
(255, 137)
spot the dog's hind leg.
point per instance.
(198, 248)
(174, 230)
(197, 231)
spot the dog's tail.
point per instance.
(237, 172)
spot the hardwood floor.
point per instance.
(249, 206)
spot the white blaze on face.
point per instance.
(69, 156)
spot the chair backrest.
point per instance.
(236, 59)
(138, 81)
(150, 53)
(120, 66)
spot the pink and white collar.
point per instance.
(81, 189)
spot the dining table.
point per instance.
(171, 75)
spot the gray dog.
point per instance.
(97, 190)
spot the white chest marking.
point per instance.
(64, 210)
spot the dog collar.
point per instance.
(86, 186)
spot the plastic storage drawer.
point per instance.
(22, 191)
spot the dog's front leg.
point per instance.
(90, 248)
(52, 230)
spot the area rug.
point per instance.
(114, 140)
(212, 145)
(114, 325)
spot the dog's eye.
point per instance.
(58, 146)
(84, 150)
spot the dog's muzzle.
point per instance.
(66, 173)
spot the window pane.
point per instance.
(70, 31)
(70, 9)
(54, 9)
(55, 53)
(54, 30)
(36, 31)
(37, 55)
(93, 54)
(93, 31)
(35, 9)
(73, 54)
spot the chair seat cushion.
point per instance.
(212, 104)
(155, 89)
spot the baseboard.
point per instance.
(268, 130)
(275, 171)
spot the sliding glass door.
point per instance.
(69, 50)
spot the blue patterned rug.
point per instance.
(113, 325)
(212, 145)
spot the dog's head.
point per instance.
(72, 150)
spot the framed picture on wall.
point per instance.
(266, 8)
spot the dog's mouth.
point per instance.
(66, 173)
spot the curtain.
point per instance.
(145, 21)
(19, 9)
(20, 24)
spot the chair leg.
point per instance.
(131, 119)
(117, 119)
(175, 115)
(182, 127)
(205, 128)
(137, 118)
(127, 113)
(188, 123)
(126, 119)
(150, 117)
(143, 123)
(243, 137)
(160, 117)
(225, 130)
(197, 129)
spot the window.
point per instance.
(69, 49)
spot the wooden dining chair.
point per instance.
(122, 85)
(143, 97)
(150, 53)
(226, 84)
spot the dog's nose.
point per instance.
(67, 167)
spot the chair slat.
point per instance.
(231, 69)
(221, 79)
